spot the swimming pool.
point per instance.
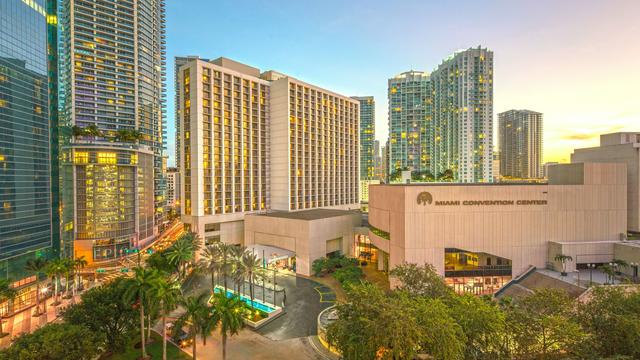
(247, 300)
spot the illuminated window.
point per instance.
(106, 158)
(81, 157)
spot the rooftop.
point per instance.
(307, 215)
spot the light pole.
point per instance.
(591, 267)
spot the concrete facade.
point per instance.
(416, 223)
(622, 148)
(310, 234)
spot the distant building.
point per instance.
(367, 136)
(364, 189)
(463, 116)
(496, 166)
(520, 140)
(385, 161)
(173, 187)
(378, 164)
(545, 168)
(623, 147)
(410, 98)
(252, 142)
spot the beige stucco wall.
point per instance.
(629, 252)
(594, 211)
(307, 238)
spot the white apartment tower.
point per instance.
(252, 142)
(463, 116)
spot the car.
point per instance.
(182, 338)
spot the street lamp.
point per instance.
(591, 267)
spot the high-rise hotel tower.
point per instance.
(520, 143)
(463, 116)
(253, 142)
(112, 72)
(410, 102)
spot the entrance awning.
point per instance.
(270, 253)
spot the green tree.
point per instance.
(319, 265)
(55, 342)
(140, 288)
(7, 293)
(421, 280)
(68, 270)
(182, 252)
(252, 265)
(446, 176)
(210, 262)
(195, 311)
(158, 260)
(227, 314)
(79, 263)
(104, 310)
(54, 271)
(483, 324)
(93, 130)
(439, 335)
(612, 316)
(422, 176)
(542, 325)
(169, 294)
(37, 266)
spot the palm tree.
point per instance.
(37, 266)
(93, 130)
(168, 293)
(79, 263)
(227, 262)
(139, 288)
(252, 265)
(77, 131)
(7, 293)
(69, 271)
(227, 313)
(211, 262)
(195, 310)
(54, 270)
(182, 252)
(563, 259)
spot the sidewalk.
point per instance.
(23, 322)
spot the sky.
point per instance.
(576, 61)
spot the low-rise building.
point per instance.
(295, 239)
(480, 235)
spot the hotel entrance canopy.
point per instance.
(270, 253)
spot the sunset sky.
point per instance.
(577, 61)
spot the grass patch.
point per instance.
(154, 350)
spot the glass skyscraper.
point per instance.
(25, 145)
(112, 69)
(367, 136)
(409, 121)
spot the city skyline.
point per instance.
(586, 98)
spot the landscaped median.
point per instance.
(257, 313)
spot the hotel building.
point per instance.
(520, 142)
(410, 115)
(479, 236)
(253, 142)
(112, 68)
(462, 129)
(621, 147)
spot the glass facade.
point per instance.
(476, 273)
(367, 137)
(25, 188)
(112, 69)
(410, 115)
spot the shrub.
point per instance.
(348, 275)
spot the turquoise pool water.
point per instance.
(247, 300)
